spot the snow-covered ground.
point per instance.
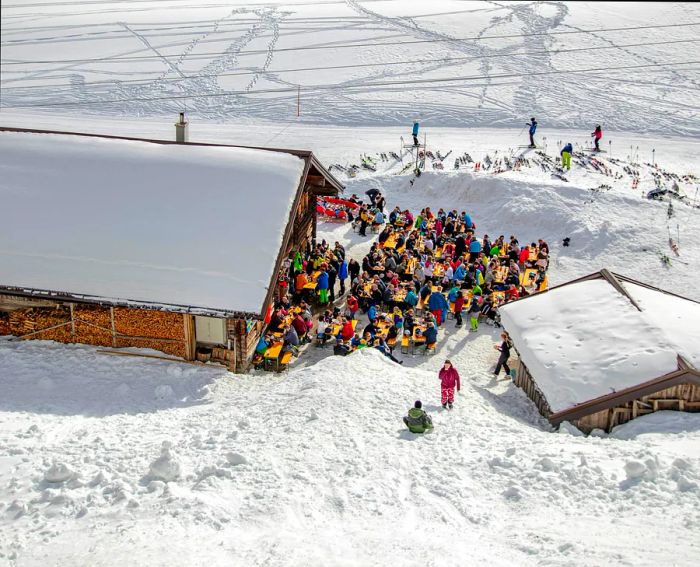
(315, 467)
(115, 460)
(360, 62)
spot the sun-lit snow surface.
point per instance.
(505, 61)
(113, 461)
(142, 221)
(585, 340)
(679, 320)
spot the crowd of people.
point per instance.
(423, 270)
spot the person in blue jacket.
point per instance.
(416, 126)
(438, 305)
(372, 313)
(474, 250)
(467, 220)
(322, 285)
(566, 152)
(411, 298)
(342, 275)
(533, 129)
(460, 273)
(430, 335)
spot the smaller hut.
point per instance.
(604, 349)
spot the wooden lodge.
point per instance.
(635, 350)
(169, 245)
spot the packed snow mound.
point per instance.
(80, 381)
(658, 424)
(250, 467)
(615, 229)
(166, 467)
(58, 472)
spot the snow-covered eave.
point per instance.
(68, 297)
(684, 374)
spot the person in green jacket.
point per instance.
(419, 221)
(298, 263)
(417, 420)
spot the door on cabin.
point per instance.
(209, 330)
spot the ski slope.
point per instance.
(448, 62)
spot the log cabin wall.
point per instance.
(682, 397)
(244, 341)
(524, 380)
(100, 326)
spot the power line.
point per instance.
(355, 66)
(346, 46)
(312, 88)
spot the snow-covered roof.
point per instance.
(584, 340)
(196, 226)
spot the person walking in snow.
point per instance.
(532, 130)
(504, 349)
(566, 152)
(597, 135)
(416, 126)
(417, 420)
(474, 310)
(449, 380)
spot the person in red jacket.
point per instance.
(300, 327)
(347, 331)
(524, 256)
(353, 306)
(458, 307)
(449, 379)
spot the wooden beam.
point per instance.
(316, 180)
(114, 328)
(72, 321)
(610, 277)
(190, 341)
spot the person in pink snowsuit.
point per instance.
(449, 379)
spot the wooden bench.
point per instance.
(430, 349)
(405, 344)
(391, 342)
(284, 361)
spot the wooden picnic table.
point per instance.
(500, 274)
(528, 277)
(391, 241)
(312, 284)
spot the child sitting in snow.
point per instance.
(417, 420)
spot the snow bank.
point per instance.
(248, 479)
(585, 340)
(195, 226)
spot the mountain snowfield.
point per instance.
(111, 460)
(315, 467)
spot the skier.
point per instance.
(533, 129)
(566, 152)
(597, 135)
(505, 354)
(449, 378)
(416, 126)
(417, 420)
